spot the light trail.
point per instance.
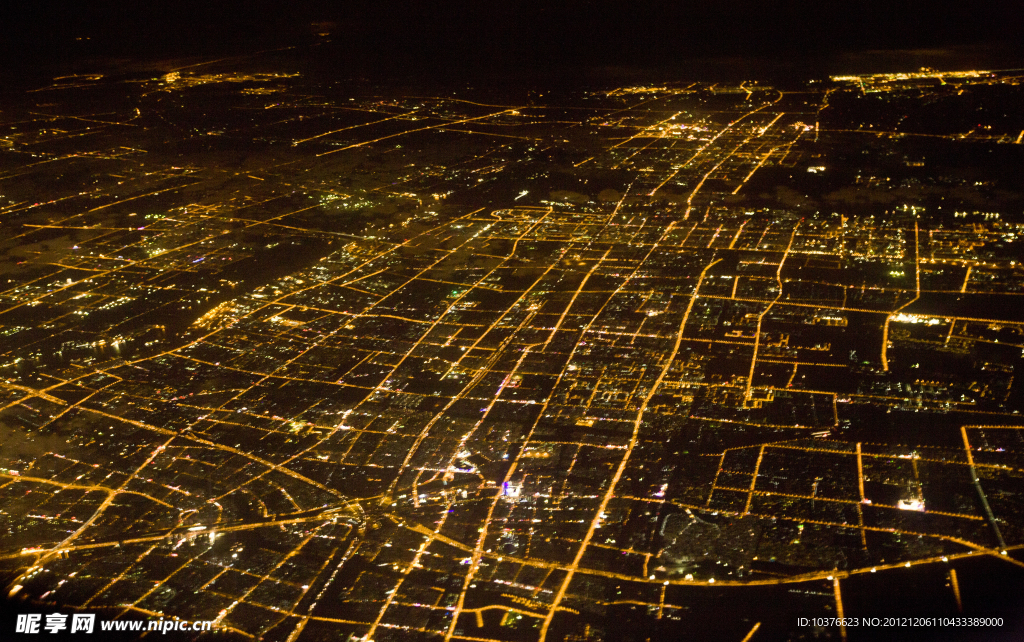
(53, 552)
(335, 131)
(595, 523)
(955, 585)
(708, 144)
(981, 493)
(760, 317)
(419, 129)
(839, 607)
(917, 295)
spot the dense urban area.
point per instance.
(324, 360)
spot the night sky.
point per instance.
(436, 38)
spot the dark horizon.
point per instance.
(524, 40)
